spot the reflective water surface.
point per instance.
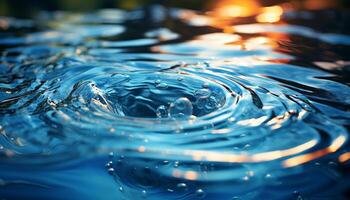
(168, 103)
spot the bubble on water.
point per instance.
(144, 193)
(121, 189)
(109, 164)
(162, 85)
(165, 162)
(205, 85)
(181, 185)
(162, 111)
(111, 170)
(202, 96)
(245, 178)
(200, 193)
(181, 108)
(333, 164)
(211, 104)
(202, 93)
(170, 190)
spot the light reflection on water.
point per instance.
(165, 103)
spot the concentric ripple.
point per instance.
(180, 114)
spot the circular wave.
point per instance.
(221, 115)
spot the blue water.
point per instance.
(153, 104)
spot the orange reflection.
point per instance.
(272, 155)
(4, 24)
(344, 157)
(238, 158)
(236, 8)
(226, 157)
(270, 14)
(189, 175)
(337, 143)
(141, 149)
(259, 43)
(320, 4)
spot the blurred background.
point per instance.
(27, 8)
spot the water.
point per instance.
(167, 103)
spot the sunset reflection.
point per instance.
(270, 14)
(337, 143)
(236, 8)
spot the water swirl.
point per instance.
(180, 112)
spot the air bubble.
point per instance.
(205, 85)
(111, 170)
(181, 108)
(211, 103)
(202, 93)
(200, 193)
(162, 85)
(109, 164)
(162, 112)
(181, 185)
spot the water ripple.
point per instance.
(180, 112)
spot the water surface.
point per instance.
(168, 103)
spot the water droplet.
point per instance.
(165, 162)
(200, 103)
(181, 185)
(205, 85)
(109, 164)
(176, 164)
(181, 108)
(200, 193)
(162, 85)
(211, 103)
(144, 193)
(202, 93)
(111, 154)
(162, 112)
(111, 170)
(121, 189)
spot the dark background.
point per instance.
(27, 8)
